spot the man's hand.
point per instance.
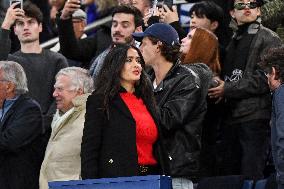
(217, 92)
(11, 16)
(151, 12)
(167, 15)
(69, 8)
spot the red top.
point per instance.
(146, 130)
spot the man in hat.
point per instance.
(179, 99)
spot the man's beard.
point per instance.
(128, 40)
(24, 41)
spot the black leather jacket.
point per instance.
(182, 110)
(249, 98)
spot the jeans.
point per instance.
(182, 183)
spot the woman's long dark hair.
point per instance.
(108, 80)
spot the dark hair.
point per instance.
(204, 48)
(129, 9)
(211, 10)
(108, 81)
(31, 10)
(170, 52)
(274, 58)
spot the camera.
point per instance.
(20, 5)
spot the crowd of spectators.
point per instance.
(139, 95)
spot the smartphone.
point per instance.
(169, 3)
(20, 5)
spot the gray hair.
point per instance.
(14, 72)
(80, 78)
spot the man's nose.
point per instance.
(55, 93)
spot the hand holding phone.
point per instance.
(13, 13)
(69, 8)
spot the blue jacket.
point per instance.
(277, 132)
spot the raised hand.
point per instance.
(167, 15)
(12, 15)
(69, 8)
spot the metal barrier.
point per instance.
(88, 28)
(52, 42)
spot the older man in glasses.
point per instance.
(246, 92)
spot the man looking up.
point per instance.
(39, 64)
(126, 19)
(246, 93)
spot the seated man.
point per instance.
(21, 145)
(62, 159)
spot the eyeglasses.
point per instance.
(241, 6)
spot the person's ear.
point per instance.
(232, 13)
(138, 29)
(80, 91)
(258, 11)
(214, 25)
(275, 74)
(10, 87)
(40, 27)
(15, 30)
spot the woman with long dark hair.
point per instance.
(120, 134)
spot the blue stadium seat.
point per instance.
(260, 184)
(137, 182)
(248, 184)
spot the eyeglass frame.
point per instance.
(242, 6)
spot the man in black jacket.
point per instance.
(21, 144)
(179, 97)
(126, 19)
(246, 93)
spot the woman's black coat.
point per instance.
(109, 145)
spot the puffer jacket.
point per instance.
(182, 109)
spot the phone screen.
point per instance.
(20, 5)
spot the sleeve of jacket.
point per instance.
(181, 103)
(82, 49)
(279, 105)
(181, 32)
(92, 137)
(255, 82)
(5, 42)
(25, 126)
(248, 86)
